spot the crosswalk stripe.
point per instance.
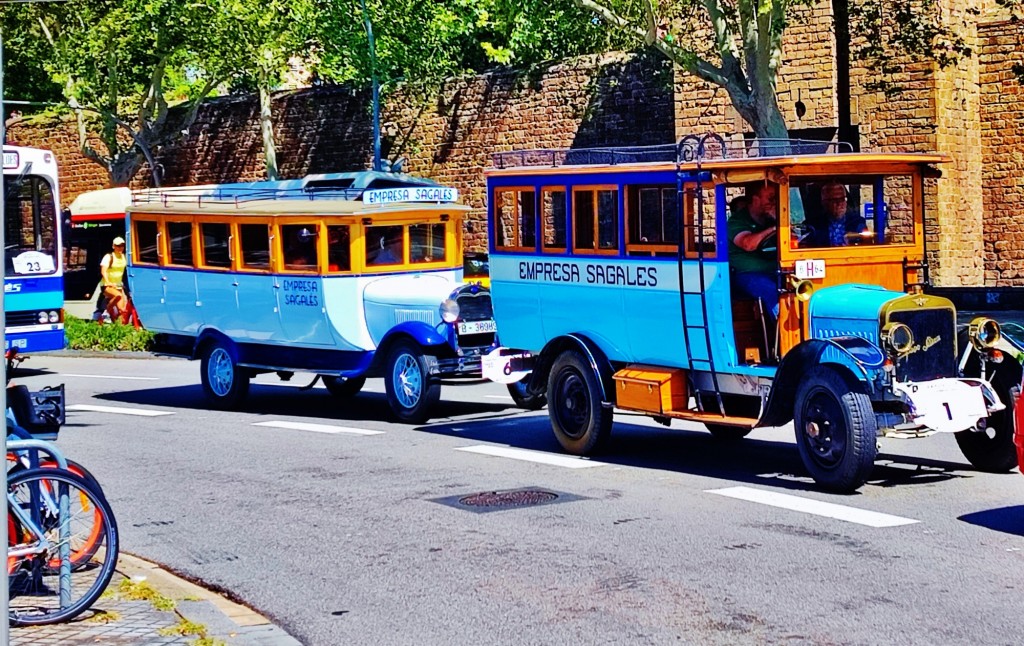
(141, 412)
(71, 374)
(318, 428)
(566, 461)
(816, 507)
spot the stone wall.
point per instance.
(449, 136)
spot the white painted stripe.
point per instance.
(141, 412)
(816, 507)
(498, 397)
(319, 428)
(566, 461)
(70, 374)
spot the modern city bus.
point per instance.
(847, 342)
(94, 219)
(33, 291)
(346, 276)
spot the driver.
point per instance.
(840, 224)
(751, 232)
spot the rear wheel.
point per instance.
(34, 579)
(342, 387)
(992, 449)
(411, 391)
(581, 423)
(224, 383)
(524, 399)
(835, 429)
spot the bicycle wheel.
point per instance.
(34, 580)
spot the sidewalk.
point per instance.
(128, 613)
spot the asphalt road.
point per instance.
(347, 538)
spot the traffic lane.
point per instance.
(644, 487)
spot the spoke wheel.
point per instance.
(581, 423)
(224, 383)
(34, 580)
(835, 429)
(411, 391)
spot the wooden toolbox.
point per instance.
(651, 389)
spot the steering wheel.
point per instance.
(770, 242)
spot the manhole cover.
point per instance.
(485, 501)
(508, 498)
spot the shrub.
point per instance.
(89, 335)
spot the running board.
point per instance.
(664, 392)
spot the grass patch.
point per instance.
(184, 628)
(89, 335)
(143, 591)
(104, 617)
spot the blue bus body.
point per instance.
(33, 264)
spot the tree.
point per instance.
(744, 50)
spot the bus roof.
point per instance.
(104, 204)
(808, 156)
(292, 207)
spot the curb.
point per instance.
(226, 620)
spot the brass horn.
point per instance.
(801, 288)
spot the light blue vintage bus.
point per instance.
(346, 275)
(617, 277)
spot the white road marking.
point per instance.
(70, 374)
(319, 428)
(816, 507)
(532, 456)
(505, 397)
(141, 412)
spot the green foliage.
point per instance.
(89, 335)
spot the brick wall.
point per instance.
(449, 136)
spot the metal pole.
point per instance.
(5, 629)
(376, 89)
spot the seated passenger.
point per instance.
(751, 229)
(840, 226)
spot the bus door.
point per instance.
(146, 278)
(179, 278)
(255, 286)
(299, 286)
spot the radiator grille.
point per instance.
(475, 307)
(934, 355)
(425, 316)
(14, 319)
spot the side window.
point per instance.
(515, 216)
(702, 239)
(255, 239)
(300, 248)
(552, 217)
(144, 235)
(426, 243)
(179, 235)
(384, 245)
(339, 248)
(653, 220)
(216, 244)
(596, 219)
(852, 211)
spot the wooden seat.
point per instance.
(749, 330)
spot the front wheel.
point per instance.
(411, 391)
(224, 383)
(342, 387)
(582, 424)
(992, 449)
(835, 429)
(525, 399)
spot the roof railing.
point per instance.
(688, 149)
(238, 195)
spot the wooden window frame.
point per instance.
(167, 260)
(136, 256)
(516, 233)
(351, 226)
(277, 251)
(596, 250)
(200, 259)
(647, 248)
(447, 243)
(566, 191)
(240, 262)
(689, 231)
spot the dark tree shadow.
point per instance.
(1009, 520)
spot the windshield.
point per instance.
(851, 211)
(30, 226)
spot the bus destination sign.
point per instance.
(10, 160)
(411, 194)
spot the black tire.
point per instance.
(737, 406)
(34, 580)
(836, 429)
(724, 433)
(581, 424)
(523, 399)
(993, 450)
(412, 393)
(342, 387)
(225, 384)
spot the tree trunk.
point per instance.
(267, 130)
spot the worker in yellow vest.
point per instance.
(112, 269)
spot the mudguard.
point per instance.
(597, 358)
(423, 333)
(856, 356)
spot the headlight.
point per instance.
(43, 318)
(897, 338)
(449, 310)
(984, 332)
(54, 317)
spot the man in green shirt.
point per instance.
(751, 232)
